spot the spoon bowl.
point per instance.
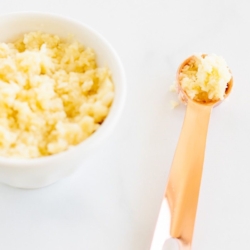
(183, 95)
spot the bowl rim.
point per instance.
(109, 122)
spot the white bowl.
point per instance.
(40, 172)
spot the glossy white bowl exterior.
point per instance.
(40, 172)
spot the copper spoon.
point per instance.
(185, 175)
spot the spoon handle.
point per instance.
(185, 175)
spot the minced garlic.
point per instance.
(205, 79)
(52, 95)
(174, 104)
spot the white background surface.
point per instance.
(112, 201)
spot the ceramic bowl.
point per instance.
(40, 172)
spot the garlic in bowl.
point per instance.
(67, 90)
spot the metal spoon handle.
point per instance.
(185, 175)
